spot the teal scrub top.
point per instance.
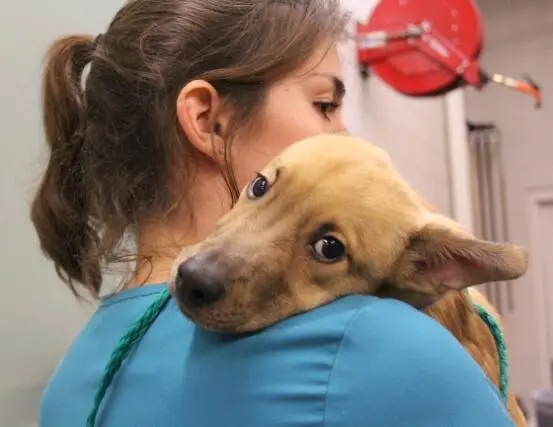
(357, 362)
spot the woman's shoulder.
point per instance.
(395, 334)
(391, 323)
(391, 335)
(359, 360)
(397, 366)
(348, 310)
(373, 321)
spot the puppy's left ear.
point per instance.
(441, 258)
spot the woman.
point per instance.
(184, 101)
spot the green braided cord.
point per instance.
(126, 344)
(499, 339)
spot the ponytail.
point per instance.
(60, 210)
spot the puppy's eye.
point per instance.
(258, 187)
(328, 249)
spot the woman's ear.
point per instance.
(200, 118)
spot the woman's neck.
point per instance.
(161, 241)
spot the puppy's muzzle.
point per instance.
(199, 282)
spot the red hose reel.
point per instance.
(429, 47)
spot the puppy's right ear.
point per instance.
(440, 258)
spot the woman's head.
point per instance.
(183, 98)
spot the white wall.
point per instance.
(519, 40)
(413, 131)
(39, 317)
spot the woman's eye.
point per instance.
(328, 249)
(326, 108)
(258, 187)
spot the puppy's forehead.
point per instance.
(339, 161)
(333, 149)
(350, 177)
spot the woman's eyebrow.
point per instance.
(339, 88)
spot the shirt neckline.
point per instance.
(142, 291)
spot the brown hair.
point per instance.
(115, 148)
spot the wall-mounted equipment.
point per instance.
(428, 48)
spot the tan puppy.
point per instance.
(330, 217)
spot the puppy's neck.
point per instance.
(415, 299)
(456, 312)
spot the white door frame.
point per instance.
(537, 199)
(458, 158)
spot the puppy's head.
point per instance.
(328, 217)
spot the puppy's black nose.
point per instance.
(199, 281)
